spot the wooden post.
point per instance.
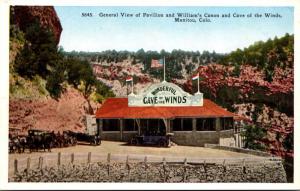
(89, 157)
(108, 158)
(264, 165)
(28, 164)
(184, 169)
(244, 167)
(166, 125)
(224, 167)
(164, 167)
(139, 126)
(72, 158)
(218, 129)
(41, 162)
(146, 168)
(16, 166)
(128, 167)
(127, 161)
(204, 165)
(108, 163)
(194, 123)
(58, 159)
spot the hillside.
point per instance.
(47, 91)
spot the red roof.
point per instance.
(118, 108)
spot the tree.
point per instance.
(53, 84)
(288, 142)
(56, 77)
(253, 137)
(39, 53)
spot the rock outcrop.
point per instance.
(23, 16)
(66, 113)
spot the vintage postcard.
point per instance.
(157, 93)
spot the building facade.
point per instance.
(165, 108)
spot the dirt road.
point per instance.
(123, 148)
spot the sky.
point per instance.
(222, 35)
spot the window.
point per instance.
(111, 125)
(176, 124)
(226, 123)
(130, 125)
(180, 124)
(187, 124)
(205, 124)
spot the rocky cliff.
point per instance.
(30, 105)
(23, 16)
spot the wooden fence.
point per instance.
(58, 159)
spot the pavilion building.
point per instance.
(165, 108)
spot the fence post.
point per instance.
(16, 166)
(146, 168)
(264, 165)
(72, 158)
(108, 158)
(164, 167)
(244, 167)
(224, 167)
(128, 167)
(89, 157)
(127, 158)
(184, 169)
(127, 163)
(108, 163)
(204, 166)
(58, 159)
(41, 162)
(28, 165)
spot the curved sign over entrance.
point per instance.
(165, 94)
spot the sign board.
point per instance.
(165, 94)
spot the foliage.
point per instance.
(80, 72)
(53, 84)
(263, 55)
(176, 59)
(237, 70)
(40, 56)
(227, 97)
(16, 35)
(253, 135)
(288, 142)
(39, 53)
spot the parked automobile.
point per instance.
(83, 137)
(158, 140)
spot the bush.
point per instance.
(53, 84)
(253, 137)
(288, 142)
